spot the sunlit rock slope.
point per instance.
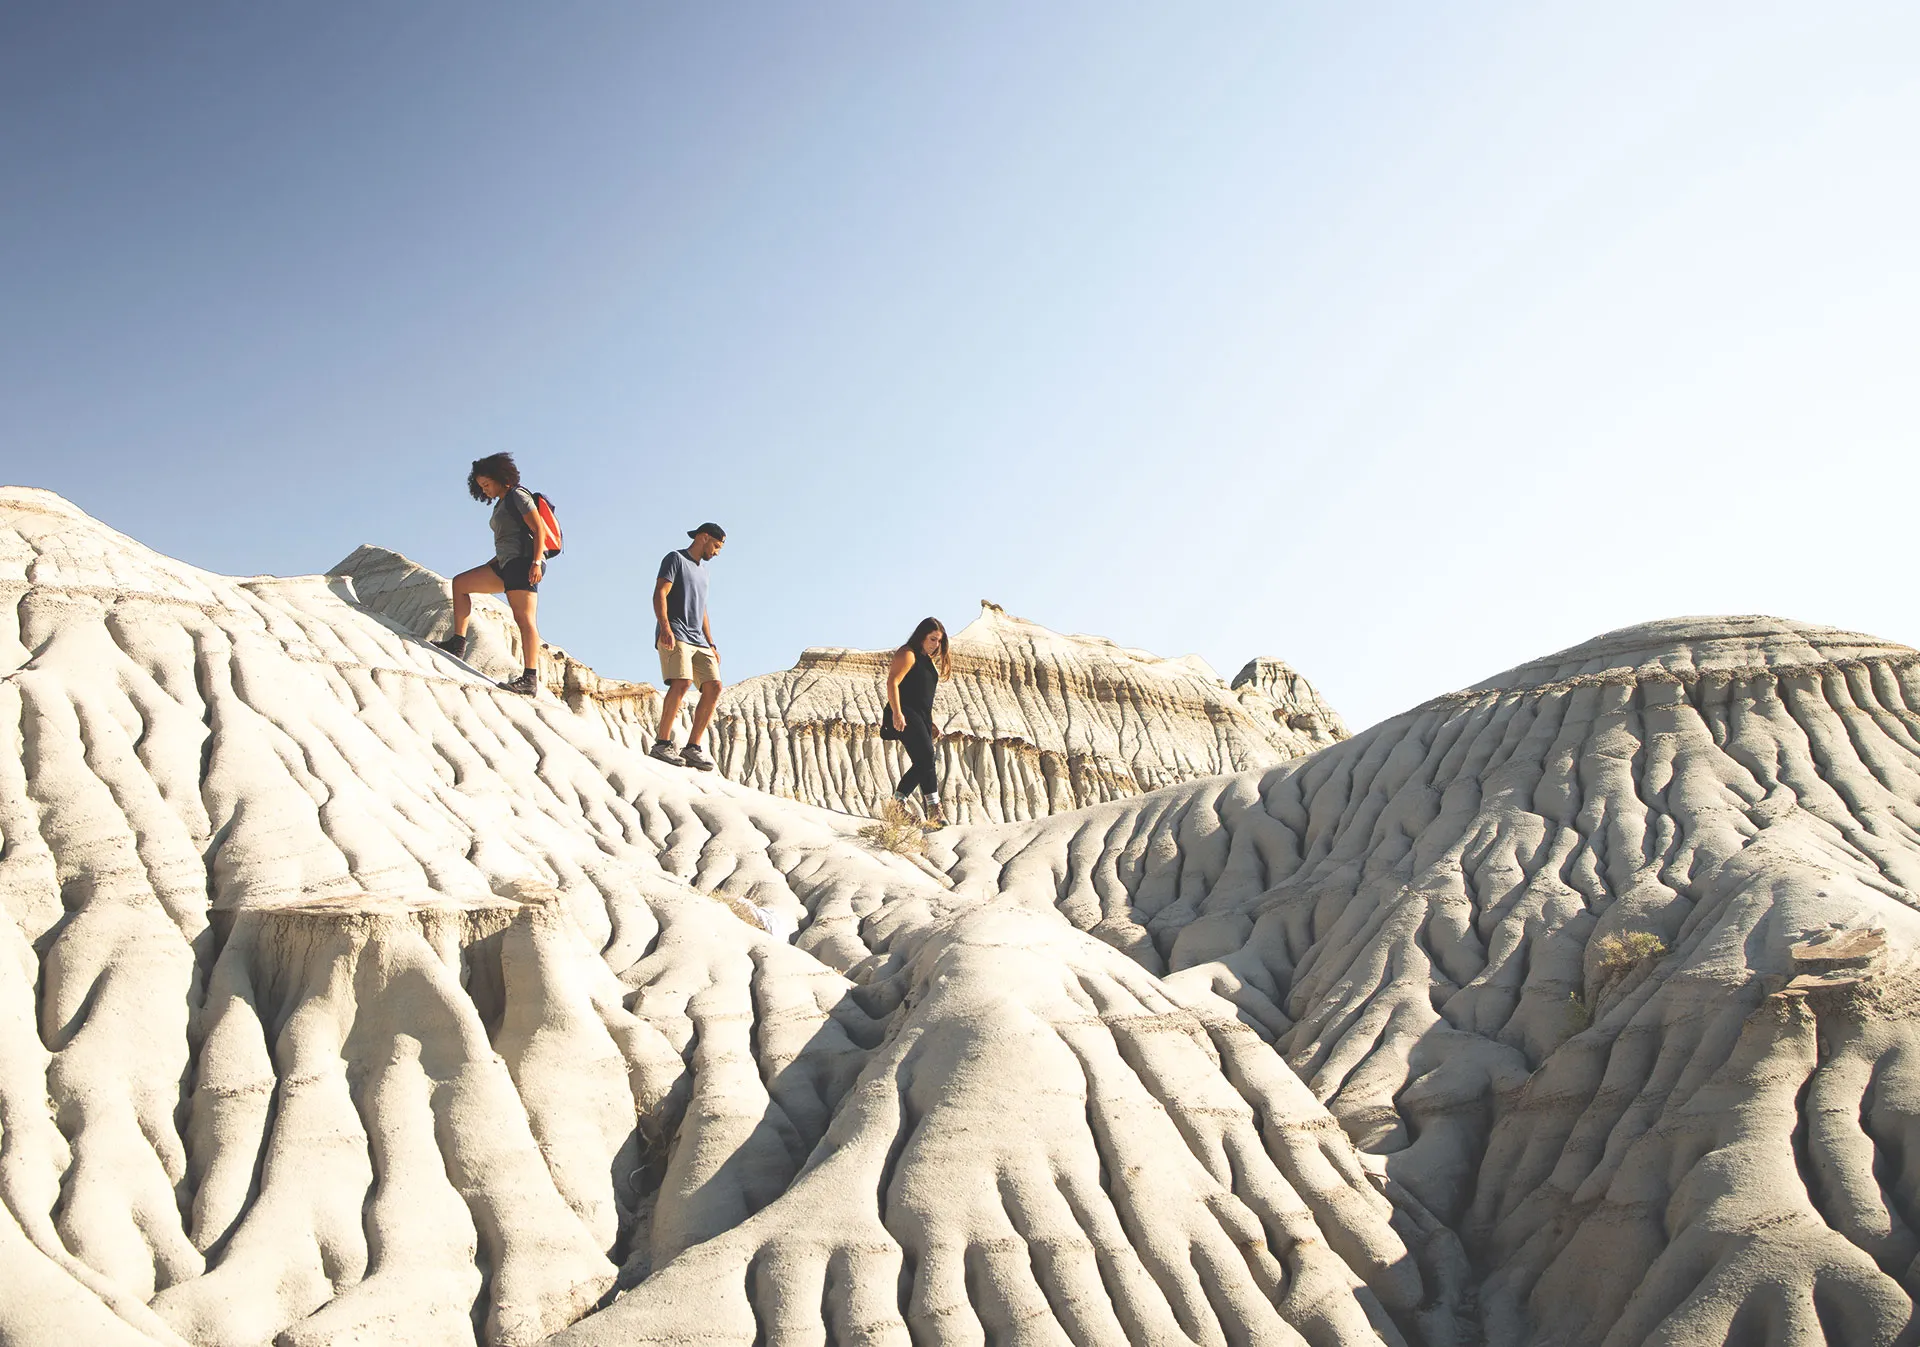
(420, 602)
(353, 999)
(350, 999)
(1608, 960)
(1031, 723)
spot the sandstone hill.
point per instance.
(349, 999)
(1032, 722)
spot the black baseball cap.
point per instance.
(708, 527)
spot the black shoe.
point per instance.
(695, 756)
(664, 751)
(527, 684)
(453, 645)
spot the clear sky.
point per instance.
(1403, 341)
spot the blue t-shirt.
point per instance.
(687, 600)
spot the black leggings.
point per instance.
(924, 774)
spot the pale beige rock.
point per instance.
(1031, 723)
(1543, 947)
(420, 603)
(353, 999)
(1274, 690)
(347, 998)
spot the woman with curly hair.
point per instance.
(520, 544)
(912, 678)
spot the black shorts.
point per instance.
(513, 574)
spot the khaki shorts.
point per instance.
(693, 662)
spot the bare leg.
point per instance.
(523, 601)
(703, 713)
(670, 707)
(479, 580)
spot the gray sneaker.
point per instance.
(695, 756)
(664, 751)
(527, 684)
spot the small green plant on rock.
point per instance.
(896, 831)
(1621, 954)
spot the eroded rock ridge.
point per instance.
(350, 999)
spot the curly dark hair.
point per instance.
(497, 466)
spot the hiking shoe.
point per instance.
(527, 684)
(664, 751)
(453, 645)
(695, 756)
(935, 820)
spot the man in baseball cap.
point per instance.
(683, 634)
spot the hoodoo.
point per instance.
(349, 998)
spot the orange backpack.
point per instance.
(545, 507)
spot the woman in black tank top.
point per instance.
(912, 678)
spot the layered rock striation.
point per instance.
(348, 998)
(1031, 723)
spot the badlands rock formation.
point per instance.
(420, 603)
(1607, 962)
(349, 999)
(1032, 722)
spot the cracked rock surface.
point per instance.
(347, 998)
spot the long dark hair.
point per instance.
(497, 466)
(929, 624)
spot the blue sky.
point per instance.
(1402, 341)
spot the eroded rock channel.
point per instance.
(349, 999)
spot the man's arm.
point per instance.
(706, 625)
(663, 630)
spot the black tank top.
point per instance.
(916, 694)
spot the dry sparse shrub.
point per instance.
(1621, 954)
(895, 830)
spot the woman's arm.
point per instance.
(896, 671)
(537, 526)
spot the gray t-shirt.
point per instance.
(512, 539)
(687, 600)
